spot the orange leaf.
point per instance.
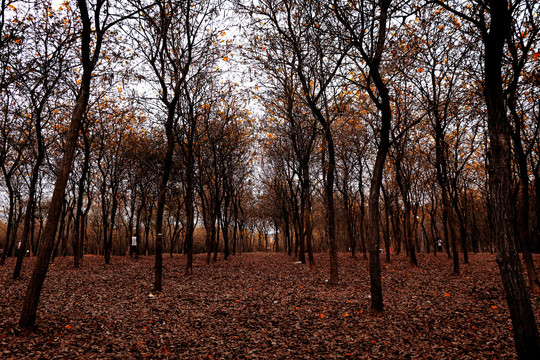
(68, 327)
(447, 294)
(494, 307)
(322, 316)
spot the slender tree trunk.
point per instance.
(377, 177)
(306, 194)
(362, 231)
(235, 226)
(349, 217)
(190, 210)
(287, 230)
(404, 188)
(442, 179)
(114, 209)
(299, 248)
(276, 235)
(387, 205)
(500, 185)
(77, 238)
(165, 172)
(537, 187)
(409, 233)
(10, 225)
(218, 229)
(31, 299)
(524, 206)
(29, 216)
(225, 226)
(330, 215)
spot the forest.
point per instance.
(345, 136)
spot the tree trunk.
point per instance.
(29, 216)
(330, 211)
(225, 225)
(374, 195)
(78, 230)
(500, 184)
(31, 300)
(449, 222)
(524, 205)
(404, 189)
(165, 172)
(190, 210)
(11, 223)
(306, 209)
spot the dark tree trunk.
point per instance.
(396, 228)
(306, 210)
(30, 206)
(276, 235)
(287, 229)
(225, 226)
(387, 205)
(330, 211)
(299, 248)
(218, 229)
(377, 175)
(362, 229)
(349, 217)
(165, 172)
(449, 222)
(190, 190)
(10, 239)
(235, 226)
(524, 203)
(500, 184)
(404, 188)
(77, 237)
(31, 300)
(537, 187)
(114, 209)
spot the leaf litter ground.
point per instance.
(260, 306)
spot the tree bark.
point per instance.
(31, 300)
(165, 172)
(306, 209)
(190, 211)
(500, 184)
(78, 229)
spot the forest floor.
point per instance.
(260, 306)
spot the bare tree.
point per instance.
(103, 19)
(493, 22)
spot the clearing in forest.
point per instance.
(260, 305)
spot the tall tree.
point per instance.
(92, 36)
(172, 36)
(315, 57)
(523, 35)
(365, 25)
(493, 20)
(50, 38)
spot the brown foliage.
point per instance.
(260, 305)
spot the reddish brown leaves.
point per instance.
(260, 306)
